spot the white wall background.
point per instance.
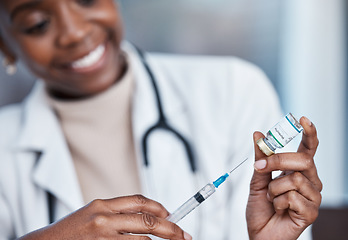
(314, 80)
(300, 44)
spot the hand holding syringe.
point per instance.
(199, 197)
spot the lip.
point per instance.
(76, 65)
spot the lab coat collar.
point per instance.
(41, 134)
(168, 160)
(144, 104)
(37, 119)
(144, 99)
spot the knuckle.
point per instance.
(175, 230)
(297, 179)
(255, 185)
(96, 204)
(140, 200)
(150, 222)
(316, 142)
(271, 189)
(277, 204)
(320, 186)
(292, 196)
(98, 221)
(308, 161)
(278, 208)
(277, 160)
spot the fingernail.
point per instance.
(260, 164)
(187, 236)
(308, 122)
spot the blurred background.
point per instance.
(300, 44)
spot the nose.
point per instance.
(73, 28)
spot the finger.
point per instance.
(294, 182)
(302, 211)
(148, 224)
(258, 153)
(259, 180)
(300, 162)
(309, 142)
(131, 204)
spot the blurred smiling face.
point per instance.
(73, 45)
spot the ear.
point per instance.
(6, 51)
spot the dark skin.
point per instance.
(52, 38)
(47, 36)
(65, 31)
(114, 219)
(282, 208)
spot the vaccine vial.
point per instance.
(280, 135)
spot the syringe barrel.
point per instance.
(192, 203)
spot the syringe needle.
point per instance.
(223, 178)
(238, 165)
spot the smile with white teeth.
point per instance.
(90, 59)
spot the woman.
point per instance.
(78, 135)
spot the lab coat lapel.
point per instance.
(144, 114)
(54, 171)
(165, 179)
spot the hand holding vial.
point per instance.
(282, 208)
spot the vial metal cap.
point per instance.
(264, 148)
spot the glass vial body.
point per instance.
(280, 134)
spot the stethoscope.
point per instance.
(161, 124)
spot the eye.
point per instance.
(38, 28)
(86, 3)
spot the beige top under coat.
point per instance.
(99, 134)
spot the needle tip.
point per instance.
(239, 165)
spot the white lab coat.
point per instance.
(216, 103)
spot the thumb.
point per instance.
(260, 180)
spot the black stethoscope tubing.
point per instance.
(162, 121)
(161, 124)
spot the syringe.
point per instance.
(199, 197)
